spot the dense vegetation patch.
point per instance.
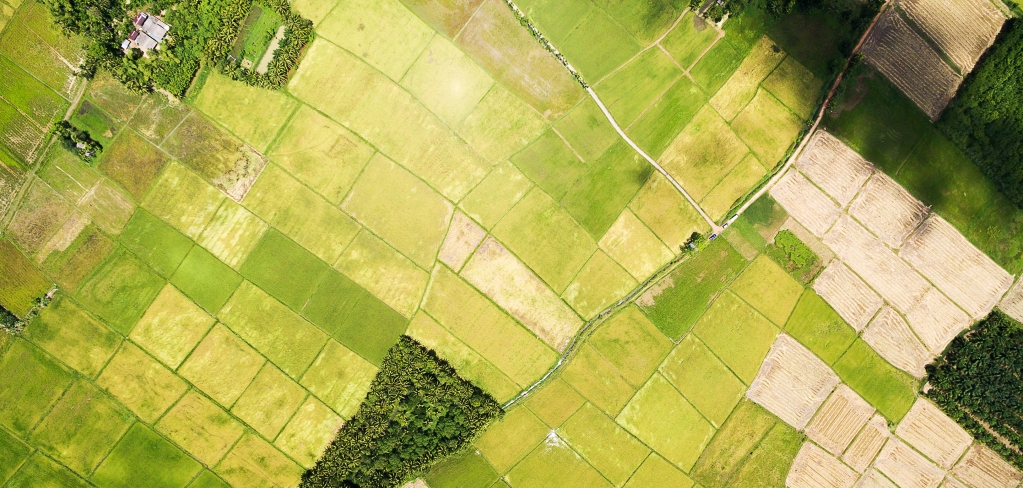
(717, 10)
(417, 412)
(986, 118)
(978, 382)
(77, 141)
(796, 257)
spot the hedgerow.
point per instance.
(985, 120)
(978, 381)
(417, 412)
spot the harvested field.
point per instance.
(906, 467)
(847, 294)
(911, 64)
(834, 167)
(463, 237)
(41, 214)
(888, 210)
(891, 337)
(839, 420)
(500, 275)
(962, 29)
(983, 468)
(815, 468)
(890, 276)
(874, 479)
(805, 202)
(956, 267)
(861, 452)
(384, 272)
(745, 81)
(933, 433)
(1012, 304)
(937, 320)
(633, 245)
(792, 382)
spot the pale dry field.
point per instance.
(911, 64)
(1012, 304)
(956, 267)
(937, 320)
(983, 468)
(805, 202)
(64, 237)
(815, 468)
(500, 275)
(888, 210)
(962, 29)
(865, 447)
(839, 420)
(906, 467)
(896, 282)
(874, 479)
(847, 294)
(792, 382)
(894, 340)
(933, 433)
(834, 166)
(464, 235)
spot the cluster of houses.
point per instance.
(148, 34)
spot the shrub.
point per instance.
(77, 141)
(417, 412)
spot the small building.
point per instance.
(140, 18)
(155, 28)
(144, 42)
(149, 34)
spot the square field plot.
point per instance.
(632, 344)
(30, 382)
(385, 34)
(555, 402)
(74, 336)
(554, 463)
(767, 127)
(133, 162)
(223, 160)
(201, 427)
(205, 279)
(253, 114)
(703, 379)
(631, 89)
(587, 130)
(20, 282)
(39, 470)
(232, 234)
(509, 440)
(597, 380)
(85, 251)
(447, 81)
(599, 45)
(141, 383)
(143, 457)
(703, 153)
(737, 334)
(500, 125)
(736, 439)
(660, 417)
(284, 269)
(254, 462)
(839, 420)
(184, 200)
(171, 327)
(222, 366)
(121, 290)
(340, 378)
(769, 289)
(158, 244)
(607, 447)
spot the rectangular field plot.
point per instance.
(384, 272)
(848, 294)
(597, 379)
(384, 33)
(203, 278)
(158, 115)
(171, 327)
(554, 463)
(737, 334)
(795, 86)
(24, 47)
(511, 438)
(253, 114)
(834, 166)
(703, 153)
(141, 383)
(340, 378)
(600, 283)
(703, 379)
(911, 64)
(666, 212)
(550, 163)
(888, 389)
(937, 320)
(867, 444)
(501, 124)
(232, 234)
(818, 327)
(633, 245)
(555, 402)
(601, 193)
(19, 136)
(71, 334)
(983, 467)
(447, 81)
(769, 289)
(692, 37)
(888, 210)
(956, 267)
(894, 340)
(133, 162)
(632, 343)
(254, 462)
(608, 447)
(41, 214)
(906, 467)
(933, 433)
(221, 158)
(839, 420)
(792, 382)
(733, 187)
(814, 467)
(666, 117)
(744, 83)
(20, 282)
(1012, 304)
(30, 382)
(732, 444)
(805, 202)
(29, 95)
(74, 263)
(962, 29)
(202, 428)
(631, 89)
(284, 269)
(120, 290)
(184, 200)
(770, 462)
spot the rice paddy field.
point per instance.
(228, 276)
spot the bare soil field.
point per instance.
(862, 451)
(894, 340)
(839, 420)
(962, 29)
(937, 320)
(848, 294)
(888, 210)
(933, 433)
(502, 277)
(983, 468)
(907, 468)
(834, 167)
(805, 202)
(792, 382)
(815, 468)
(885, 272)
(1012, 304)
(956, 267)
(911, 64)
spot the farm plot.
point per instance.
(956, 266)
(933, 433)
(745, 82)
(599, 45)
(867, 444)
(666, 212)
(834, 167)
(839, 420)
(219, 157)
(937, 320)
(894, 280)
(894, 340)
(501, 124)
(805, 202)
(18, 134)
(41, 214)
(982, 467)
(888, 210)
(20, 282)
(848, 294)
(962, 29)
(703, 153)
(29, 95)
(384, 272)
(911, 64)
(447, 81)
(814, 467)
(792, 382)
(906, 467)
(1012, 304)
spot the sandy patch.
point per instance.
(805, 202)
(815, 468)
(891, 277)
(839, 420)
(834, 167)
(933, 433)
(888, 210)
(792, 382)
(463, 237)
(956, 267)
(501, 276)
(847, 294)
(894, 340)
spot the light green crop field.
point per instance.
(232, 269)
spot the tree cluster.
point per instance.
(985, 120)
(77, 141)
(298, 31)
(417, 412)
(978, 381)
(9, 322)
